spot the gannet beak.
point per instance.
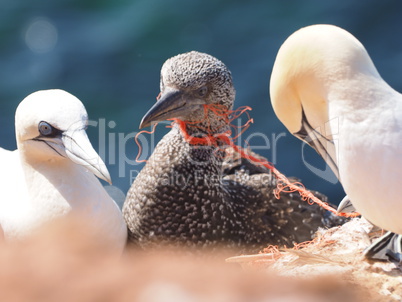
(323, 145)
(173, 103)
(170, 103)
(345, 206)
(79, 149)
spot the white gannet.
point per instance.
(52, 171)
(326, 90)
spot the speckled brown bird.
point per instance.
(203, 196)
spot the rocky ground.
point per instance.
(336, 253)
(64, 261)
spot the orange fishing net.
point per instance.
(228, 138)
(274, 252)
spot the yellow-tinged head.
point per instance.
(315, 64)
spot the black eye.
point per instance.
(45, 129)
(202, 91)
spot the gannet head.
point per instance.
(315, 64)
(319, 66)
(50, 126)
(189, 81)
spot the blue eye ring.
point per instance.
(45, 129)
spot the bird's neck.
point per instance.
(179, 180)
(181, 165)
(360, 97)
(58, 184)
(203, 146)
(210, 132)
(212, 121)
(43, 199)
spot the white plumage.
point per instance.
(326, 90)
(52, 171)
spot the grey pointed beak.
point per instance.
(171, 104)
(79, 149)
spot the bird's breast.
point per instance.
(370, 159)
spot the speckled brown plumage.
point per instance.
(201, 196)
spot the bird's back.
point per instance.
(283, 221)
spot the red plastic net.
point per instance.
(229, 137)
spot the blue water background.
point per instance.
(109, 54)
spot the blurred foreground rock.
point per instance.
(65, 262)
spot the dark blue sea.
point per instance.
(109, 53)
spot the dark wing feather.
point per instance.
(282, 221)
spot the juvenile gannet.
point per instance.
(203, 196)
(52, 171)
(326, 90)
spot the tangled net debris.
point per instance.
(229, 137)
